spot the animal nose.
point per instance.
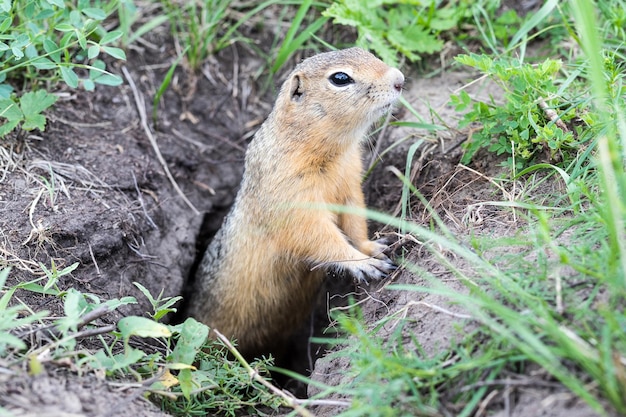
(397, 79)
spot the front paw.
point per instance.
(370, 268)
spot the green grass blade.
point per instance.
(147, 27)
(288, 48)
(164, 85)
(405, 187)
(613, 179)
(533, 22)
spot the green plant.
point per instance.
(197, 25)
(506, 31)
(537, 118)
(394, 376)
(613, 20)
(53, 274)
(393, 28)
(128, 14)
(160, 306)
(25, 112)
(163, 87)
(205, 27)
(49, 288)
(528, 310)
(10, 319)
(610, 143)
(496, 32)
(190, 374)
(194, 377)
(47, 40)
(208, 380)
(291, 43)
(79, 309)
(525, 290)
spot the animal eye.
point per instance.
(340, 79)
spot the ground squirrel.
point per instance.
(260, 275)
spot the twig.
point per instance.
(558, 284)
(95, 331)
(75, 124)
(92, 315)
(31, 211)
(505, 193)
(93, 258)
(485, 403)
(142, 115)
(287, 398)
(553, 116)
(84, 320)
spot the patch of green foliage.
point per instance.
(546, 114)
(396, 27)
(190, 374)
(210, 381)
(197, 26)
(521, 126)
(205, 27)
(25, 112)
(410, 29)
(49, 41)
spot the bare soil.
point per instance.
(91, 189)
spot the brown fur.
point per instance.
(261, 273)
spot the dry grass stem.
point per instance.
(141, 108)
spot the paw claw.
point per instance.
(372, 268)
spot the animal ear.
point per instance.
(296, 88)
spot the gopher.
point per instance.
(260, 275)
